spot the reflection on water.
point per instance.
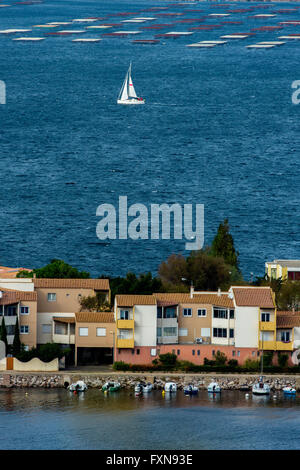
(58, 419)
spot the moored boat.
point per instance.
(170, 387)
(289, 391)
(111, 387)
(78, 386)
(260, 387)
(190, 389)
(214, 387)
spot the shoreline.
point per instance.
(232, 381)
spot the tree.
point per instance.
(16, 347)
(56, 269)
(223, 245)
(3, 336)
(288, 298)
(144, 284)
(207, 272)
(220, 358)
(173, 271)
(95, 303)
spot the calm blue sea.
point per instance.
(218, 128)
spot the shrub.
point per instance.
(168, 360)
(221, 358)
(267, 358)
(121, 365)
(251, 364)
(282, 360)
(232, 363)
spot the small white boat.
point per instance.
(147, 387)
(261, 388)
(170, 387)
(214, 387)
(78, 386)
(289, 391)
(142, 387)
(127, 94)
(190, 389)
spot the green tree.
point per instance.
(95, 303)
(56, 269)
(207, 272)
(288, 298)
(144, 284)
(223, 245)
(220, 358)
(3, 336)
(16, 347)
(282, 360)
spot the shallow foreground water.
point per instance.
(57, 419)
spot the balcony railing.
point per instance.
(267, 325)
(125, 324)
(284, 346)
(267, 345)
(125, 343)
(63, 339)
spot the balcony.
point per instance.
(125, 343)
(125, 324)
(282, 346)
(63, 339)
(267, 326)
(271, 345)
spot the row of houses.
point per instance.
(195, 325)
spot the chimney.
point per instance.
(219, 292)
(192, 291)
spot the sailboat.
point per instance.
(260, 387)
(127, 94)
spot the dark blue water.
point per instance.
(218, 128)
(56, 419)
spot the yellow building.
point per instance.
(284, 269)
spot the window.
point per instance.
(231, 333)
(51, 297)
(46, 328)
(124, 315)
(213, 352)
(253, 353)
(170, 331)
(83, 331)
(138, 351)
(159, 312)
(273, 273)
(158, 331)
(265, 317)
(220, 332)
(10, 330)
(11, 311)
(101, 332)
(178, 352)
(173, 351)
(193, 352)
(24, 310)
(202, 312)
(169, 312)
(231, 314)
(238, 353)
(24, 329)
(257, 353)
(153, 352)
(125, 334)
(220, 313)
(60, 328)
(233, 353)
(285, 336)
(205, 332)
(183, 332)
(187, 312)
(132, 351)
(198, 352)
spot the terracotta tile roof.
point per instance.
(10, 296)
(253, 297)
(95, 317)
(206, 298)
(287, 321)
(97, 284)
(166, 303)
(131, 300)
(11, 273)
(65, 319)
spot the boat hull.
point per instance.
(131, 102)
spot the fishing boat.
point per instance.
(289, 391)
(214, 387)
(78, 386)
(111, 387)
(170, 387)
(190, 389)
(127, 94)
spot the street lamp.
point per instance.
(113, 348)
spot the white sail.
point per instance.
(131, 90)
(124, 90)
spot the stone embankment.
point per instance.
(127, 381)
